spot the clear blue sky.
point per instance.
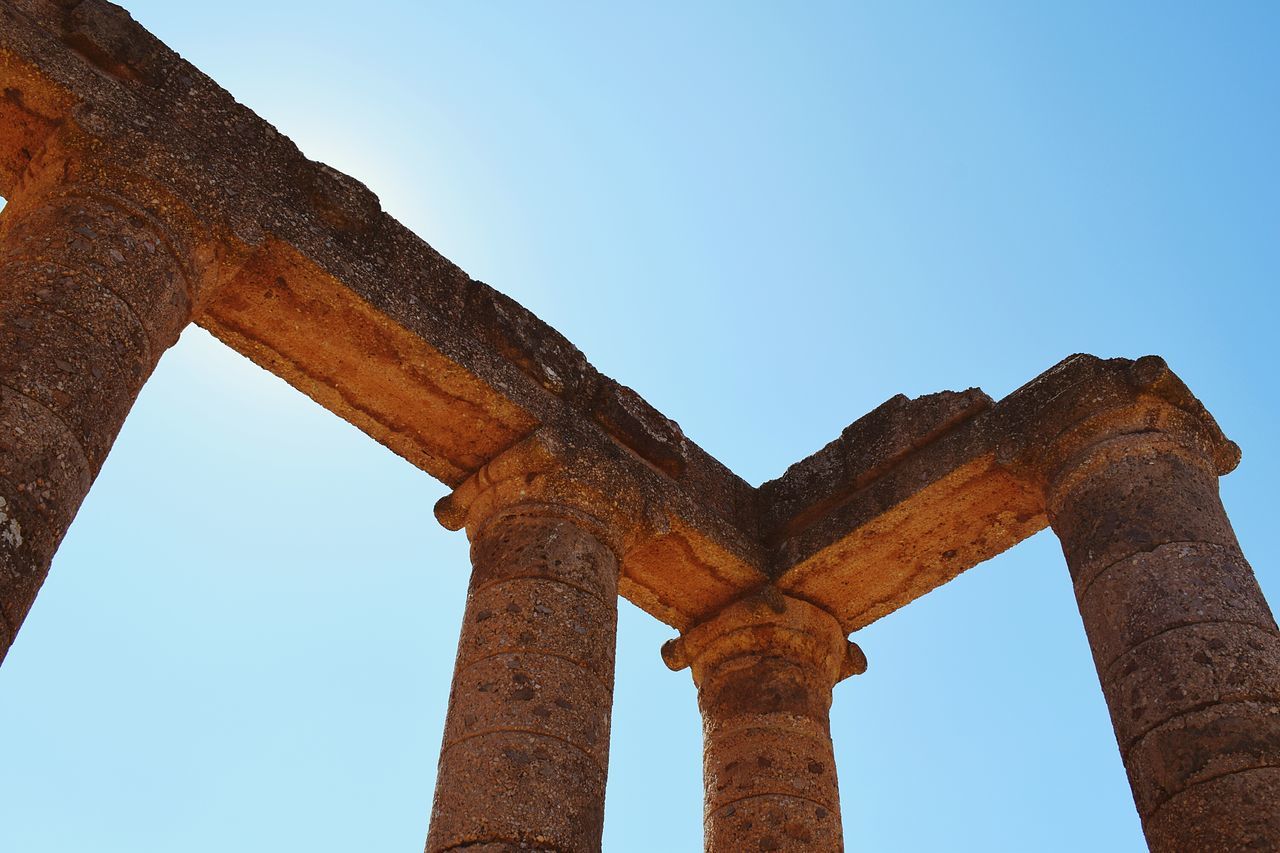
(767, 218)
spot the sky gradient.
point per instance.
(767, 219)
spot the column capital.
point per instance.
(90, 157)
(1096, 402)
(765, 667)
(551, 468)
(767, 623)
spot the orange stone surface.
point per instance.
(765, 668)
(142, 196)
(526, 743)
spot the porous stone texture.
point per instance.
(526, 743)
(338, 298)
(765, 668)
(1186, 647)
(94, 285)
(142, 195)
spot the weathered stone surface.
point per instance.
(1187, 650)
(765, 667)
(94, 285)
(866, 449)
(789, 755)
(768, 822)
(1194, 821)
(517, 788)
(1222, 738)
(142, 195)
(533, 692)
(442, 369)
(1150, 496)
(1184, 668)
(641, 428)
(974, 488)
(547, 615)
(526, 743)
(1171, 586)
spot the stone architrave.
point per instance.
(142, 196)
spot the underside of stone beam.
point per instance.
(315, 283)
(327, 291)
(918, 491)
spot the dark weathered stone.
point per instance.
(1182, 669)
(1150, 496)
(866, 449)
(1215, 740)
(328, 291)
(1187, 650)
(142, 195)
(1195, 822)
(517, 788)
(94, 285)
(1168, 587)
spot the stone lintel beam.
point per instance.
(347, 305)
(920, 490)
(765, 667)
(343, 302)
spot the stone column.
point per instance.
(95, 284)
(1186, 647)
(526, 745)
(764, 668)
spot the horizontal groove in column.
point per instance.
(1192, 820)
(155, 226)
(448, 747)
(1198, 709)
(1080, 467)
(129, 366)
(1082, 592)
(767, 720)
(1108, 671)
(92, 418)
(1197, 783)
(502, 842)
(535, 653)
(786, 796)
(536, 511)
(579, 587)
(106, 288)
(92, 334)
(79, 445)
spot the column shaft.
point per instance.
(526, 744)
(1187, 650)
(765, 668)
(91, 293)
(768, 764)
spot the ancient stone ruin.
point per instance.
(142, 198)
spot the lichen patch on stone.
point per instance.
(10, 529)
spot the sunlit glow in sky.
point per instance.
(767, 218)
